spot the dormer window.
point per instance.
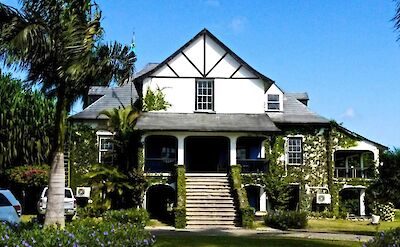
(205, 95)
(273, 102)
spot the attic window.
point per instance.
(273, 102)
(204, 95)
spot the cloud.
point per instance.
(238, 24)
(349, 113)
(212, 3)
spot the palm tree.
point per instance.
(58, 43)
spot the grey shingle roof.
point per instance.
(294, 112)
(205, 122)
(299, 96)
(114, 97)
(98, 90)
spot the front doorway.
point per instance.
(207, 154)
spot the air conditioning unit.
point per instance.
(324, 198)
(83, 192)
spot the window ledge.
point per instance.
(209, 112)
(294, 164)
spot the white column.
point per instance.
(233, 140)
(362, 202)
(181, 149)
(263, 200)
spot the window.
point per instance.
(204, 95)
(105, 150)
(273, 102)
(295, 151)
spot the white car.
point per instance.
(69, 204)
(10, 208)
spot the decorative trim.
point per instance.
(240, 66)
(215, 65)
(173, 70)
(190, 61)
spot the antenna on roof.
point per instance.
(133, 49)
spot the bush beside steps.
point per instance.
(284, 220)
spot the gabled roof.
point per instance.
(299, 96)
(354, 134)
(167, 121)
(266, 80)
(114, 97)
(295, 112)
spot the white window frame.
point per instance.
(103, 136)
(274, 101)
(301, 138)
(205, 96)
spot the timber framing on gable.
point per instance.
(202, 70)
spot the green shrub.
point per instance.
(180, 210)
(246, 213)
(323, 214)
(385, 211)
(384, 239)
(82, 232)
(247, 217)
(180, 217)
(139, 217)
(286, 219)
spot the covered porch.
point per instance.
(204, 152)
(207, 143)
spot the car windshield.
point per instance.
(4, 201)
(67, 194)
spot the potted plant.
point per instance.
(375, 214)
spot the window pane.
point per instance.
(273, 97)
(273, 106)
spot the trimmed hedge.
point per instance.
(246, 213)
(180, 209)
(286, 219)
(139, 217)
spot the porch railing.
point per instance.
(253, 165)
(353, 172)
(158, 165)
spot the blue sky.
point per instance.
(343, 53)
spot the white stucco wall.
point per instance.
(273, 89)
(239, 94)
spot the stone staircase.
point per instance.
(209, 202)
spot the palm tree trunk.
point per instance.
(55, 193)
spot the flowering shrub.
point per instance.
(84, 233)
(384, 239)
(33, 175)
(385, 211)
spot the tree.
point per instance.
(58, 43)
(126, 143)
(25, 126)
(387, 187)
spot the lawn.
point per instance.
(355, 227)
(347, 226)
(214, 241)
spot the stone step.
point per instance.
(209, 180)
(208, 197)
(210, 218)
(207, 183)
(211, 222)
(214, 205)
(209, 201)
(212, 227)
(208, 186)
(211, 213)
(211, 210)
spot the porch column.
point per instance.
(181, 149)
(233, 140)
(263, 200)
(362, 202)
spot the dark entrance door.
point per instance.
(206, 154)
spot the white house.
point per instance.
(224, 112)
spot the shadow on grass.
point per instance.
(211, 241)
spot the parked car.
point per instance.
(69, 204)
(10, 208)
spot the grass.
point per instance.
(214, 241)
(27, 218)
(347, 226)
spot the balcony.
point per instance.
(253, 165)
(159, 165)
(353, 172)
